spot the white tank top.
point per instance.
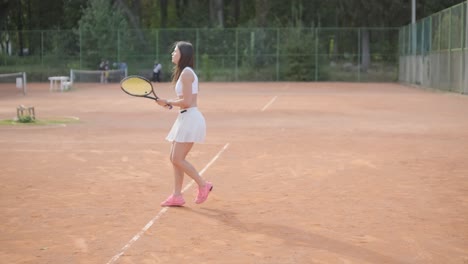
(178, 86)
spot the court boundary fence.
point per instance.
(365, 54)
(433, 52)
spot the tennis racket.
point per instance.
(139, 86)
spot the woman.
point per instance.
(189, 127)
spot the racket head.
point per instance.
(137, 86)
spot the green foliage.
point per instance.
(43, 122)
(26, 119)
(301, 60)
(100, 28)
(206, 67)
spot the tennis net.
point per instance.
(88, 76)
(12, 84)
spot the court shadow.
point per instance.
(297, 237)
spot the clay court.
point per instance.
(302, 172)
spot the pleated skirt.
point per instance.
(190, 126)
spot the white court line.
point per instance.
(68, 151)
(32, 127)
(162, 212)
(269, 103)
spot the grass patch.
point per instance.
(39, 122)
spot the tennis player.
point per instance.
(189, 126)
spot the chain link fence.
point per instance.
(237, 54)
(434, 51)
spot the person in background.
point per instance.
(122, 66)
(157, 69)
(106, 71)
(102, 66)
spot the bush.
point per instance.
(26, 119)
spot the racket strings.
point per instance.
(137, 86)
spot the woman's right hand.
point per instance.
(164, 103)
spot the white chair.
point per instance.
(66, 85)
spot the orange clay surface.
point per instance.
(310, 173)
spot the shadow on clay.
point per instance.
(297, 237)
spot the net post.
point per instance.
(24, 83)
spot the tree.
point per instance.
(163, 10)
(217, 13)
(261, 12)
(5, 6)
(99, 28)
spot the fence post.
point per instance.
(359, 55)
(157, 44)
(197, 37)
(414, 40)
(422, 68)
(465, 49)
(236, 70)
(277, 53)
(118, 45)
(316, 53)
(42, 48)
(462, 51)
(81, 49)
(438, 51)
(450, 52)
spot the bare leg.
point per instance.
(178, 154)
(178, 175)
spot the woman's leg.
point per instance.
(178, 174)
(178, 153)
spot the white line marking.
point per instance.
(97, 151)
(30, 127)
(162, 212)
(269, 103)
(72, 117)
(103, 140)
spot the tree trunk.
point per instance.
(236, 12)
(181, 6)
(134, 19)
(136, 11)
(217, 13)
(261, 12)
(163, 5)
(20, 28)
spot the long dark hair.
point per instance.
(186, 58)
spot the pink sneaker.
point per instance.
(174, 201)
(203, 192)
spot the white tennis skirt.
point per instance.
(189, 126)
